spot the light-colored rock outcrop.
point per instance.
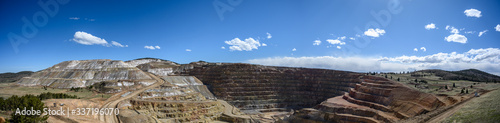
(87, 72)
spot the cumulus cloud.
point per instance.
(223, 47)
(497, 28)
(316, 42)
(415, 49)
(483, 59)
(430, 26)
(352, 38)
(473, 13)
(456, 38)
(482, 32)
(452, 29)
(423, 49)
(188, 50)
(247, 45)
(152, 47)
(263, 44)
(294, 49)
(269, 35)
(338, 47)
(89, 39)
(374, 32)
(335, 41)
(74, 18)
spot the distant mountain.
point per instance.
(13, 77)
(468, 74)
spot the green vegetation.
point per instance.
(48, 95)
(483, 109)
(27, 101)
(428, 82)
(13, 77)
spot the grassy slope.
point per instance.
(435, 85)
(485, 109)
(8, 89)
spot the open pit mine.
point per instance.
(155, 90)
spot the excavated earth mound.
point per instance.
(84, 73)
(178, 101)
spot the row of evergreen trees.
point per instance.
(14, 102)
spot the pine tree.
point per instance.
(28, 101)
(453, 84)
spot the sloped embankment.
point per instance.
(83, 73)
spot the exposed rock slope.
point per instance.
(87, 72)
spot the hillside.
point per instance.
(468, 74)
(13, 77)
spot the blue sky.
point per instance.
(355, 35)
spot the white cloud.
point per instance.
(189, 50)
(263, 44)
(482, 32)
(497, 28)
(294, 49)
(352, 38)
(248, 45)
(317, 42)
(415, 49)
(374, 32)
(114, 43)
(470, 32)
(456, 38)
(473, 13)
(452, 29)
(483, 59)
(342, 38)
(152, 47)
(74, 18)
(89, 39)
(223, 47)
(149, 47)
(430, 26)
(423, 49)
(269, 35)
(338, 47)
(335, 41)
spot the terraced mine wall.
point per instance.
(84, 73)
(255, 87)
(373, 100)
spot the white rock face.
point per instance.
(84, 73)
(156, 66)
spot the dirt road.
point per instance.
(114, 103)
